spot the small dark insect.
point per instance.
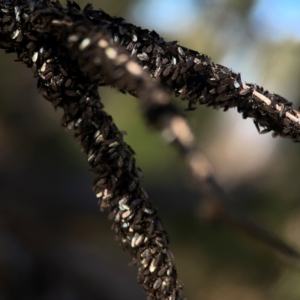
(130, 46)
(133, 52)
(175, 74)
(134, 37)
(189, 62)
(183, 70)
(149, 48)
(160, 50)
(157, 72)
(143, 56)
(121, 30)
(180, 51)
(282, 111)
(157, 284)
(165, 61)
(158, 61)
(167, 71)
(200, 67)
(68, 83)
(224, 97)
(35, 56)
(258, 128)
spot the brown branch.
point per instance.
(69, 76)
(161, 113)
(193, 77)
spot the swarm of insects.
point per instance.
(72, 52)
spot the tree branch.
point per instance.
(71, 57)
(70, 76)
(194, 77)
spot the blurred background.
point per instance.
(54, 242)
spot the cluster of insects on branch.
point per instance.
(72, 52)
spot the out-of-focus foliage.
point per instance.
(54, 244)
